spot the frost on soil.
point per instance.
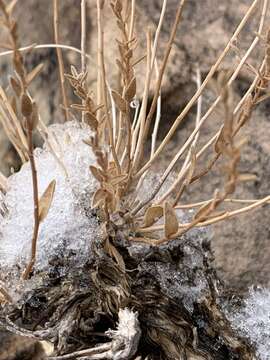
(253, 321)
(69, 225)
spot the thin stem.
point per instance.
(192, 147)
(132, 20)
(31, 264)
(83, 35)
(201, 203)
(103, 84)
(208, 113)
(161, 73)
(225, 216)
(14, 118)
(13, 137)
(60, 58)
(83, 43)
(195, 97)
(48, 46)
(141, 121)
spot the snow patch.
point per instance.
(253, 321)
(69, 226)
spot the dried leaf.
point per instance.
(170, 220)
(204, 210)
(46, 200)
(91, 120)
(97, 173)
(16, 86)
(26, 105)
(152, 214)
(99, 197)
(131, 90)
(119, 101)
(34, 73)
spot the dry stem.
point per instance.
(60, 58)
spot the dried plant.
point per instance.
(119, 122)
(125, 137)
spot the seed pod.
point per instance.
(26, 105)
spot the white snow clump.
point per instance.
(69, 226)
(253, 321)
